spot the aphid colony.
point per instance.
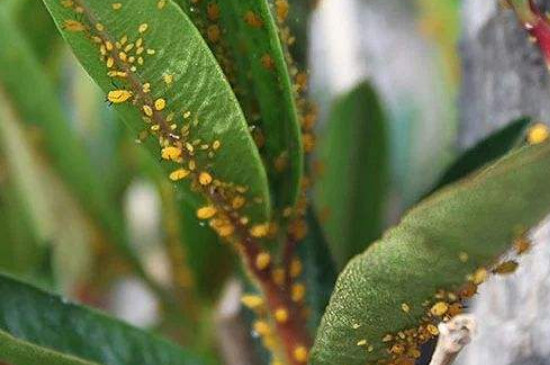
(263, 326)
(123, 57)
(404, 346)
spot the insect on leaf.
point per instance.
(441, 249)
(156, 69)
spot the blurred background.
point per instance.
(77, 193)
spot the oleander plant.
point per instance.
(207, 105)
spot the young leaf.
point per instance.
(157, 70)
(489, 149)
(57, 332)
(243, 35)
(400, 283)
(352, 185)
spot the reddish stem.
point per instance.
(536, 23)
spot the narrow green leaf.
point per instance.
(250, 49)
(29, 92)
(352, 186)
(208, 257)
(19, 352)
(43, 323)
(163, 49)
(319, 270)
(435, 247)
(489, 149)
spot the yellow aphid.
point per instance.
(168, 78)
(179, 174)
(263, 260)
(119, 96)
(238, 202)
(216, 145)
(213, 32)
(161, 4)
(538, 133)
(356, 326)
(171, 153)
(160, 104)
(67, 3)
(507, 267)
(387, 338)
(300, 354)
(295, 268)
(151, 51)
(397, 349)
(143, 28)
(267, 62)
(439, 309)
(110, 62)
(206, 212)
(281, 315)
(99, 27)
(405, 307)
(253, 302)
(279, 276)
(259, 230)
(116, 6)
(522, 245)
(109, 46)
(362, 343)
(432, 329)
(222, 227)
(479, 276)
(253, 19)
(146, 87)
(262, 328)
(205, 178)
(463, 256)
(148, 110)
(414, 353)
(282, 9)
(73, 26)
(123, 56)
(213, 11)
(298, 292)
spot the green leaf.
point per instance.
(32, 96)
(251, 51)
(208, 257)
(197, 95)
(319, 270)
(58, 332)
(478, 217)
(19, 352)
(35, 22)
(352, 186)
(491, 148)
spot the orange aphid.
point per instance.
(73, 26)
(213, 33)
(507, 267)
(267, 62)
(213, 11)
(282, 9)
(253, 19)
